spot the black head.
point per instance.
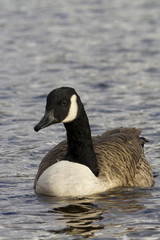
(62, 107)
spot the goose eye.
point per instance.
(64, 103)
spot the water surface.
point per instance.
(109, 51)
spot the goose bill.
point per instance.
(46, 121)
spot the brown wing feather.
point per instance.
(120, 157)
(123, 159)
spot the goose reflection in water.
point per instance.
(81, 219)
(89, 217)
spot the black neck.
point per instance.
(80, 145)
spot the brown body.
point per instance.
(120, 157)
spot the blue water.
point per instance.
(109, 51)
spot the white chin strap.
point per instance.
(72, 114)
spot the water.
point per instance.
(110, 52)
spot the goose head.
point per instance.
(63, 106)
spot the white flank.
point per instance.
(72, 110)
(66, 178)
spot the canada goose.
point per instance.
(85, 165)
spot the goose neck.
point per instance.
(80, 145)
